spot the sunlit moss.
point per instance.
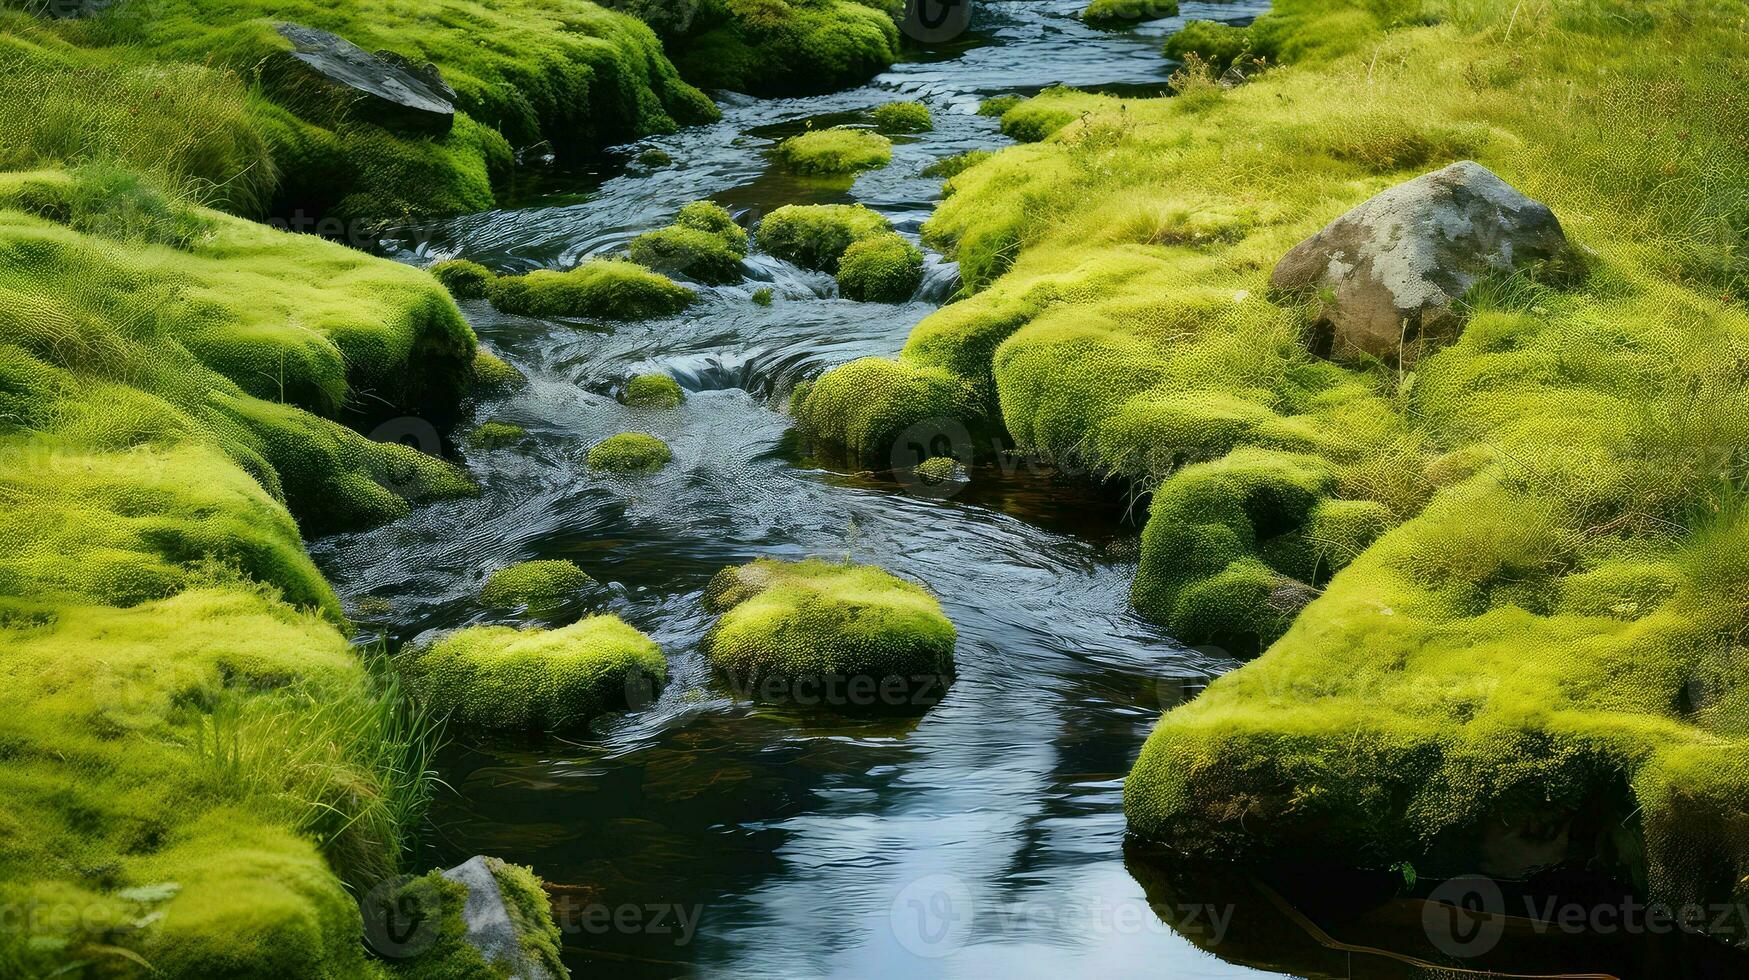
(541, 586)
(502, 678)
(814, 236)
(495, 435)
(704, 244)
(786, 47)
(1116, 13)
(903, 117)
(491, 374)
(463, 279)
(652, 391)
(880, 269)
(631, 453)
(615, 290)
(834, 152)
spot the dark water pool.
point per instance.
(709, 834)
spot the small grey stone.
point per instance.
(384, 88)
(491, 930)
(1390, 271)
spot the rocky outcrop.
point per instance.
(1388, 273)
(385, 88)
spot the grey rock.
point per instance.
(491, 929)
(384, 88)
(1390, 271)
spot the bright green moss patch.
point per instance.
(463, 279)
(531, 914)
(813, 621)
(712, 217)
(506, 679)
(495, 435)
(834, 152)
(940, 469)
(703, 244)
(996, 105)
(903, 117)
(952, 166)
(541, 586)
(814, 236)
(1117, 13)
(783, 47)
(492, 374)
(880, 269)
(631, 453)
(606, 288)
(860, 411)
(762, 296)
(652, 391)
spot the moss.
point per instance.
(774, 47)
(491, 373)
(815, 620)
(834, 152)
(463, 279)
(655, 157)
(1117, 13)
(531, 915)
(615, 290)
(903, 117)
(866, 410)
(697, 255)
(880, 269)
(997, 105)
(540, 586)
(1218, 44)
(954, 165)
(940, 469)
(501, 678)
(630, 452)
(712, 217)
(814, 236)
(496, 435)
(652, 391)
(762, 296)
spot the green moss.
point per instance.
(762, 296)
(496, 435)
(997, 105)
(655, 157)
(774, 47)
(541, 586)
(940, 469)
(1117, 13)
(492, 374)
(834, 152)
(870, 409)
(501, 678)
(531, 915)
(1218, 44)
(712, 217)
(814, 236)
(903, 117)
(952, 166)
(880, 269)
(463, 279)
(652, 391)
(606, 288)
(814, 620)
(630, 452)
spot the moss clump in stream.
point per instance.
(903, 117)
(880, 269)
(652, 391)
(541, 586)
(630, 453)
(463, 279)
(1119, 13)
(703, 244)
(814, 236)
(507, 679)
(614, 290)
(781, 47)
(1481, 588)
(835, 152)
(791, 625)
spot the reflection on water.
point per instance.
(707, 834)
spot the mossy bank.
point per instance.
(1497, 589)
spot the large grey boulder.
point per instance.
(491, 927)
(1389, 272)
(384, 88)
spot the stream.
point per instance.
(712, 834)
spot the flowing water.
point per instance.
(711, 833)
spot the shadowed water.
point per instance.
(984, 838)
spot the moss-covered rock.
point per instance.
(630, 453)
(491, 374)
(938, 470)
(507, 679)
(903, 117)
(495, 435)
(688, 252)
(835, 152)
(652, 391)
(785, 47)
(716, 219)
(541, 586)
(952, 166)
(1119, 13)
(880, 269)
(762, 296)
(836, 628)
(863, 410)
(463, 279)
(814, 236)
(614, 290)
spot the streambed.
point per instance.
(709, 833)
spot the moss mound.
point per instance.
(785, 47)
(506, 679)
(463, 279)
(631, 453)
(541, 586)
(937, 470)
(834, 152)
(652, 391)
(880, 269)
(762, 296)
(814, 236)
(703, 244)
(903, 117)
(495, 435)
(817, 622)
(491, 374)
(606, 288)
(952, 166)
(1119, 13)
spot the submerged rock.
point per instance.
(1390, 271)
(504, 921)
(384, 88)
